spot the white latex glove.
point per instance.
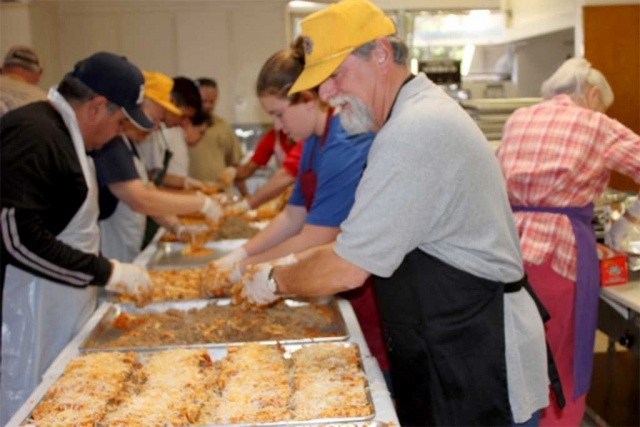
(130, 279)
(255, 285)
(211, 209)
(255, 282)
(233, 257)
(192, 183)
(237, 208)
(227, 176)
(624, 234)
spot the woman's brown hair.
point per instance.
(280, 72)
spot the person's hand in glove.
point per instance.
(131, 280)
(211, 210)
(256, 287)
(193, 184)
(217, 281)
(237, 208)
(626, 230)
(227, 176)
(231, 258)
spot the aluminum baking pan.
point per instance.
(289, 349)
(169, 254)
(105, 333)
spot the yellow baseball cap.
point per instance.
(331, 34)
(157, 87)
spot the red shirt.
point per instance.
(267, 147)
(557, 154)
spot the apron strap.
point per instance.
(552, 369)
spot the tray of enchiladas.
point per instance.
(243, 385)
(215, 323)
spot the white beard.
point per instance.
(358, 118)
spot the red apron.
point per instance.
(362, 299)
(309, 178)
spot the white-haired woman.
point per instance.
(556, 157)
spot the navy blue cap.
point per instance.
(118, 80)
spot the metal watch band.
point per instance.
(271, 281)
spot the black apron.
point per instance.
(444, 330)
(444, 333)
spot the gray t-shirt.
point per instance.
(432, 182)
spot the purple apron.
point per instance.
(587, 290)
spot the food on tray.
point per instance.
(254, 387)
(184, 387)
(84, 392)
(230, 228)
(172, 285)
(216, 323)
(234, 228)
(193, 250)
(215, 282)
(328, 383)
(168, 390)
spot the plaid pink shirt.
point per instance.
(557, 154)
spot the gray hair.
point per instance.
(574, 77)
(74, 91)
(400, 50)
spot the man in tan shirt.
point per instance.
(21, 72)
(219, 148)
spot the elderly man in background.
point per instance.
(49, 222)
(432, 223)
(216, 156)
(21, 72)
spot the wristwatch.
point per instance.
(271, 282)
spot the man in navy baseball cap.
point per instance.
(49, 202)
(118, 80)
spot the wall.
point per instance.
(227, 40)
(534, 18)
(14, 26)
(536, 59)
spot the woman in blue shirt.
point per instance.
(330, 167)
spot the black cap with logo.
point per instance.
(118, 80)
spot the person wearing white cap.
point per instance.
(21, 72)
(432, 223)
(48, 222)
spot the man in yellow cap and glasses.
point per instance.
(431, 222)
(122, 177)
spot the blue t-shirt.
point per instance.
(339, 165)
(114, 164)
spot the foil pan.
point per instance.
(109, 329)
(289, 349)
(169, 254)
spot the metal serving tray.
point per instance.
(169, 254)
(289, 349)
(347, 421)
(105, 332)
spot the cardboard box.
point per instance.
(613, 266)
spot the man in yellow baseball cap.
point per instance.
(125, 194)
(432, 223)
